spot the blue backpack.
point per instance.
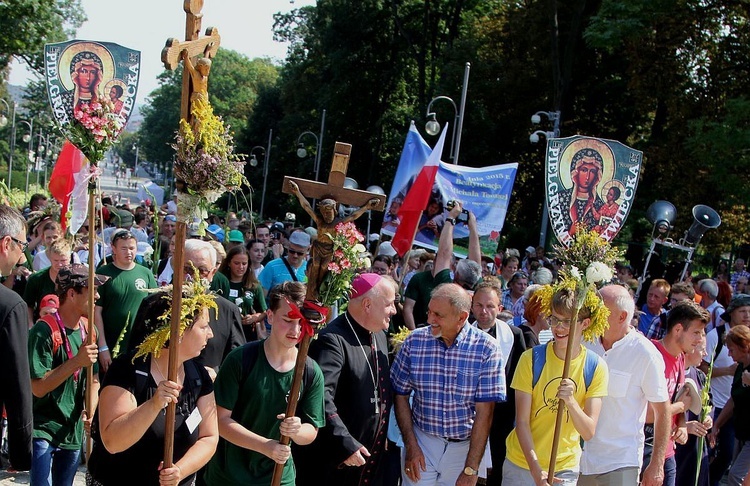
(539, 358)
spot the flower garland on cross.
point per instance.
(205, 164)
(590, 252)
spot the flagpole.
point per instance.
(413, 237)
(89, 397)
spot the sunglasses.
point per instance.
(295, 252)
(123, 235)
(23, 245)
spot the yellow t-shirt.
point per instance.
(544, 408)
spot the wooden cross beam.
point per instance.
(195, 45)
(335, 189)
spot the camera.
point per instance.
(463, 217)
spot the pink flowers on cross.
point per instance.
(94, 128)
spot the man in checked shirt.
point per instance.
(456, 373)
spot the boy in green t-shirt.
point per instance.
(58, 358)
(251, 397)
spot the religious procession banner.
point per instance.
(80, 72)
(590, 181)
(485, 191)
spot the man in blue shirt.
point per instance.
(290, 267)
(456, 374)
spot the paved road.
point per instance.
(7, 479)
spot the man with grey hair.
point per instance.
(15, 385)
(467, 274)
(613, 456)
(455, 372)
(708, 289)
(352, 352)
(226, 322)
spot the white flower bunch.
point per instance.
(598, 272)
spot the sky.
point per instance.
(245, 26)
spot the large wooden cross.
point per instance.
(195, 46)
(335, 188)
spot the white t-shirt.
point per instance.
(41, 260)
(636, 377)
(721, 386)
(714, 310)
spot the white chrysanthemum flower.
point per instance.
(575, 273)
(360, 248)
(598, 272)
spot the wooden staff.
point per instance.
(560, 403)
(178, 265)
(291, 407)
(91, 330)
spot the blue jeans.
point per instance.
(52, 466)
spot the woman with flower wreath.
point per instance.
(128, 430)
(539, 389)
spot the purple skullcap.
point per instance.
(363, 283)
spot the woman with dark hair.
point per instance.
(128, 429)
(722, 272)
(244, 290)
(257, 251)
(382, 265)
(738, 344)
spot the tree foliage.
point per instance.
(29, 24)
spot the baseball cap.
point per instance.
(171, 218)
(739, 300)
(386, 248)
(530, 249)
(49, 300)
(300, 238)
(236, 236)
(76, 275)
(216, 232)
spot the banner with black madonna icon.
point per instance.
(79, 72)
(590, 181)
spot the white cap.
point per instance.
(386, 249)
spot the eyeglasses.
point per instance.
(202, 271)
(23, 245)
(554, 322)
(518, 275)
(295, 252)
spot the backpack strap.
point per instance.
(538, 360)
(142, 373)
(250, 352)
(720, 342)
(589, 367)
(57, 339)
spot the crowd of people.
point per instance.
(438, 370)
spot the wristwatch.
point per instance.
(470, 471)
(451, 221)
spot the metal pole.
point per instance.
(545, 209)
(12, 144)
(461, 112)
(265, 175)
(40, 155)
(320, 145)
(135, 168)
(31, 151)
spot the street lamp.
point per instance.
(28, 137)
(536, 118)
(302, 151)
(432, 126)
(267, 153)
(135, 168)
(3, 116)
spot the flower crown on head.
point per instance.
(590, 252)
(195, 298)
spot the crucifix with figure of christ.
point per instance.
(328, 196)
(196, 52)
